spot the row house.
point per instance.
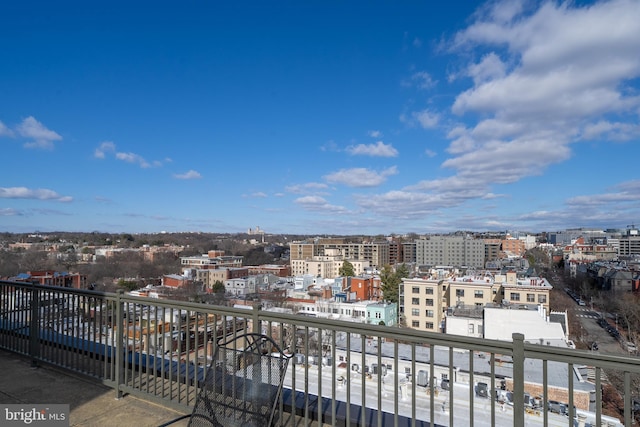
(370, 312)
(53, 278)
(241, 287)
(614, 276)
(275, 269)
(364, 287)
(209, 276)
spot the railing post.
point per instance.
(255, 319)
(34, 326)
(119, 350)
(518, 379)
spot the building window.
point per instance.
(478, 294)
(415, 324)
(514, 296)
(415, 312)
(428, 302)
(531, 297)
(429, 313)
(429, 325)
(471, 328)
(415, 301)
(415, 290)
(542, 299)
(459, 292)
(429, 291)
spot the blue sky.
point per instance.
(357, 117)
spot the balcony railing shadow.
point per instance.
(342, 373)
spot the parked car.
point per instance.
(482, 390)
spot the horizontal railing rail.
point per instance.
(342, 373)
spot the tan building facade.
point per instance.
(424, 302)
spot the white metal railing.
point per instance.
(342, 373)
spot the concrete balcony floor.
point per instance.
(91, 403)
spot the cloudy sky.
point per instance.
(314, 117)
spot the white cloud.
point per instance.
(543, 84)
(379, 149)
(10, 212)
(4, 130)
(423, 80)
(103, 148)
(303, 188)
(628, 191)
(430, 153)
(427, 119)
(27, 193)
(489, 68)
(133, 158)
(360, 177)
(259, 194)
(420, 80)
(190, 174)
(614, 131)
(375, 134)
(417, 42)
(108, 147)
(42, 137)
(319, 204)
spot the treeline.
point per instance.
(130, 264)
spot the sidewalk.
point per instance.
(91, 403)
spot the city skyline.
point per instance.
(319, 118)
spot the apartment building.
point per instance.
(409, 252)
(530, 290)
(472, 292)
(302, 250)
(630, 244)
(325, 266)
(375, 253)
(209, 261)
(424, 302)
(511, 246)
(452, 250)
(492, 249)
(396, 255)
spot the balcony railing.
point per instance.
(342, 373)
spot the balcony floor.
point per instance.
(91, 403)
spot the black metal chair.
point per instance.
(243, 384)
